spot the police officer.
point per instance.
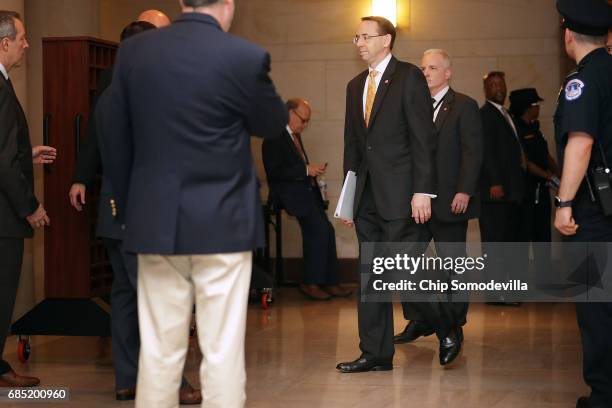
(583, 124)
(541, 171)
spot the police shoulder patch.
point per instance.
(573, 89)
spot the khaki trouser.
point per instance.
(166, 289)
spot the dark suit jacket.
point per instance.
(88, 163)
(175, 128)
(397, 149)
(17, 199)
(287, 179)
(458, 155)
(502, 157)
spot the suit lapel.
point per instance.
(447, 105)
(359, 101)
(383, 87)
(11, 90)
(503, 118)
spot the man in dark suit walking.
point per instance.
(124, 305)
(292, 179)
(20, 211)
(175, 130)
(458, 162)
(389, 142)
(502, 183)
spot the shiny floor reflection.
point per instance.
(527, 356)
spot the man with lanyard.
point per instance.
(583, 131)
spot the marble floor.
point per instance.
(527, 356)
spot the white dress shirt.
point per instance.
(4, 72)
(437, 98)
(380, 68)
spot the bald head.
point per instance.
(155, 17)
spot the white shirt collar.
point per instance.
(497, 105)
(382, 65)
(4, 72)
(289, 131)
(438, 97)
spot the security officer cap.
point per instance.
(590, 17)
(521, 99)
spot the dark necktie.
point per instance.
(297, 141)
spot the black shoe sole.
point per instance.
(397, 340)
(384, 367)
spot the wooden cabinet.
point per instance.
(75, 261)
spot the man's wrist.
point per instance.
(562, 202)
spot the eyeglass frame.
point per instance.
(304, 121)
(365, 37)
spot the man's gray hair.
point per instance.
(7, 24)
(445, 56)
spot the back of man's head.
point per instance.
(155, 17)
(135, 27)
(7, 24)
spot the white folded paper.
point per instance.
(344, 209)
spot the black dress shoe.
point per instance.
(583, 402)
(412, 331)
(362, 365)
(450, 347)
(125, 394)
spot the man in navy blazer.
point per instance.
(175, 129)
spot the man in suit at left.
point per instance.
(292, 179)
(20, 211)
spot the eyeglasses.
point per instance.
(365, 37)
(304, 121)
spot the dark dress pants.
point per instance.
(595, 318)
(11, 256)
(504, 222)
(124, 314)
(375, 319)
(445, 232)
(319, 246)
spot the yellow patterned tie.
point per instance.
(370, 96)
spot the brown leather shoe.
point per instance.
(337, 291)
(314, 292)
(125, 394)
(12, 379)
(190, 396)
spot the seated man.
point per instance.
(293, 184)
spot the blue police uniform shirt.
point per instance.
(585, 103)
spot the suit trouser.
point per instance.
(124, 314)
(11, 256)
(319, 246)
(375, 319)
(442, 232)
(595, 318)
(500, 222)
(167, 286)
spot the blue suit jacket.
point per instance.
(175, 129)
